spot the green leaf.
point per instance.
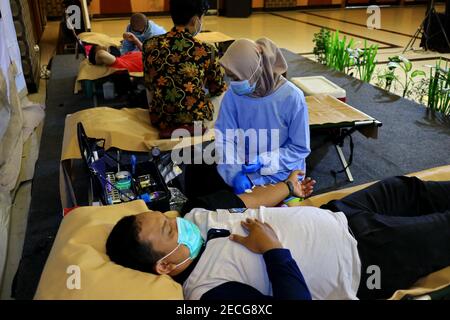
(393, 65)
(417, 73)
(395, 59)
(407, 63)
(390, 77)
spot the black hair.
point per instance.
(92, 54)
(136, 17)
(114, 51)
(182, 11)
(126, 249)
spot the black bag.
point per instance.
(434, 37)
(141, 180)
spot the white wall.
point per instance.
(9, 52)
(9, 48)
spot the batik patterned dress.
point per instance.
(182, 73)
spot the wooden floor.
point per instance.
(294, 30)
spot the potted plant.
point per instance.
(439, 88)
(389, 76)
(320, 42)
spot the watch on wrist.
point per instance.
(290, 185)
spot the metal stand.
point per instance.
(344, 163)
(424, 29)
(90, 192)
(94, 91)
(338, 142)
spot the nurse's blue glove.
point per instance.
(253, 167)
(241, 183)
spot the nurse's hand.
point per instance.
(129, 37)
(253, 167)
(241, 183)
(261, 237)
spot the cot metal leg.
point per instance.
(88, 88)
(94, 96)
(344, 162)
(90, 192)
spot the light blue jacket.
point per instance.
(152, 30)
(280, 123)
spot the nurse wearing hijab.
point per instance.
(262, 132)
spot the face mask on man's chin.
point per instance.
(190, 236)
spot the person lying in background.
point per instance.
(260, 99)
(139, 30)
(111, 57)
(181, 73)
(399, 226)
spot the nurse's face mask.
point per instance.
(190, 236)
(243, 87)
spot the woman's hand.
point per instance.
(241, 183)
(304, 188)
(261, 237)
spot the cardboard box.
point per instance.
(313, 86)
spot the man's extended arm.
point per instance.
(272, 195)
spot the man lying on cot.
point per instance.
(139, 30)
(398, 228)
(111, 57)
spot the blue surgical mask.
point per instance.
(244, 88)
(190, 236)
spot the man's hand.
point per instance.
(304, 188)
(130, 37)
(308, 187)
(261, 237)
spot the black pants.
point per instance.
(205, 189)
(402, 225)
